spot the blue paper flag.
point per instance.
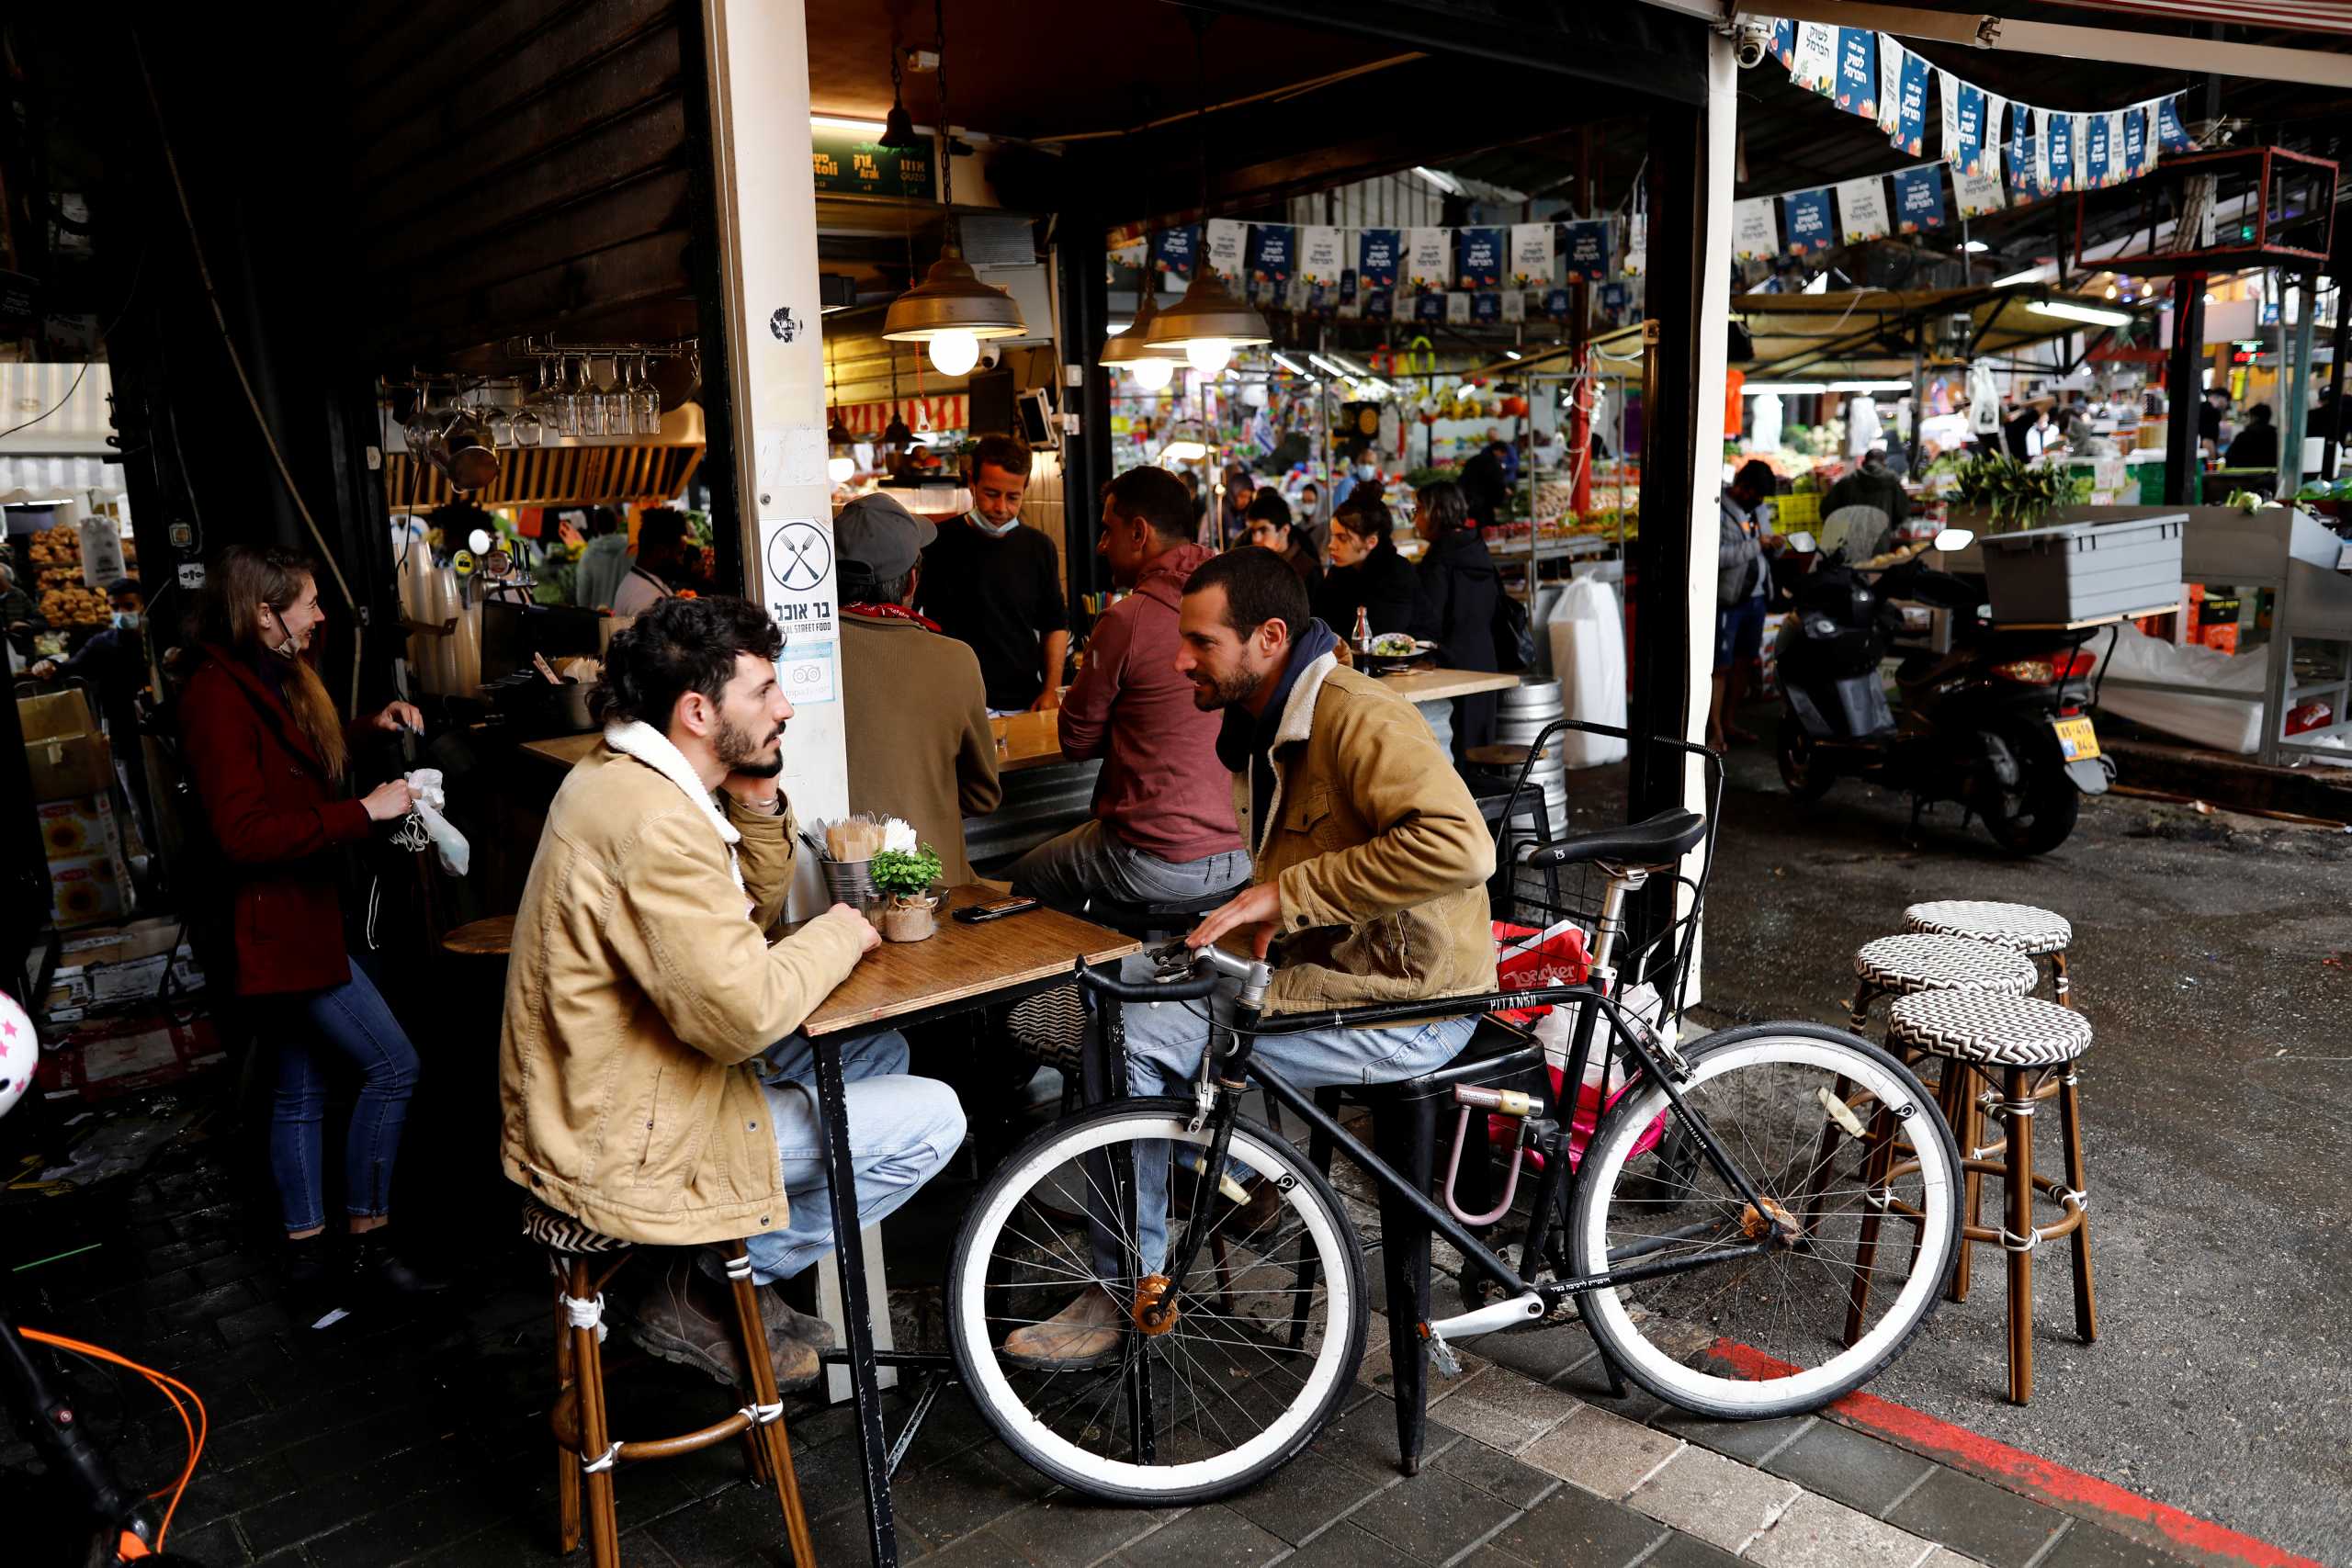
(1968, 144)
(1586, 246)
(1272, 253)
(2138, 154)
(1615, 297)
(1858, 71)
(1486, 305)
(1556, 300)
(2024, 171)
(1379, 304)
(1350, 286)
(2172, 136)
(1478, 257)
(1810, 230)
(1911, 106)
(1919, 198)
(1784, 43)
(2099, 158)
(1429, 307)
(1176, 250)
(1379, 254)
(2064, 177)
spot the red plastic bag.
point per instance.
(1529, 959)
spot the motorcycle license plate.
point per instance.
(2077, 741)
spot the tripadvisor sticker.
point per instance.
(463, 561)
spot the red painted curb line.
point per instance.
(2141, 1518)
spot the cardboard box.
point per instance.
(85, 889)
(63, 751)
(83, 827)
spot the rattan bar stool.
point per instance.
(2022, 928)
(2023, 1039)
(1908, 964)
(585, 1260)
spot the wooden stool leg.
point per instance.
(2059, 990)
(595, 1435)
(1858, 1016)
(2086, 1299)
(754, 1339)
(567, 1463)
(1971, 1130)
(2017, 1109)
(1878, 1155)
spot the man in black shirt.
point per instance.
(992, 583)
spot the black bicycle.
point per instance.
(1714, 1234)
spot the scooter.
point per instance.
(1992, 718)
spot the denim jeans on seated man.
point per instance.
(1164, 1044)
(901, 1130)
(1091, 862)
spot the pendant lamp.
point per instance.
(1208, 324)
(1149, 367)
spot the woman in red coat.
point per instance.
(268, 752)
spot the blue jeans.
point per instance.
(349, 1020)
(1091, 860)
(1164, 1044)
(901, 1130)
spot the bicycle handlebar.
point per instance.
(1207, 966)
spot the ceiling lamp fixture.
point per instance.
(899, 127)
(1149, 366)
(1208, 323)
(951, 310)
(2074, 312)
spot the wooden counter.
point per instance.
(562, 751)
(1444, 686)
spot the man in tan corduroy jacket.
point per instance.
(652, 1083)
(1369, 861)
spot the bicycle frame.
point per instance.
(1652, 1058)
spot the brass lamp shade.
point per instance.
(952, 299)
(1208, 310)
(1134, 342)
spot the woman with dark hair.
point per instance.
(1456, 597)
(1366, 572)
(268, 754)
(1268, 521)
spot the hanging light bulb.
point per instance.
(840, 469)
(953, 351)
(1151, 374)
(1208, 354)
(1207, 325)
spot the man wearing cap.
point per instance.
(919, 746)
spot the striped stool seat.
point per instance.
(2001, 1030)
(559, 1231)
(1050, 1028)
(1904, 965)
(2019, 927)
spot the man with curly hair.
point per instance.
(653, 1081)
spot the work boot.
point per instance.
(687, 1319)
(1083, 1335)
(795, 1341)
(376, 1264)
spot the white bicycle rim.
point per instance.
(1605, 1164)
(1278, 1438)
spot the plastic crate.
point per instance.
(2079, 572)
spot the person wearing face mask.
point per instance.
(270, 757)
(113, 664)
(997, 585)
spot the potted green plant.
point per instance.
(905, 879)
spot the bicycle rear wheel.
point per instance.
(1264, 1345)
(1780, 1332)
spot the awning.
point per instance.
(948, 412)
(26, 477)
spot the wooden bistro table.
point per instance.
(962, 968)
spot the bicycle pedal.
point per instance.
(1442, 1356)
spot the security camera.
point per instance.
(1750, 42)
(990, 354)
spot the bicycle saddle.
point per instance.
(1657, 843)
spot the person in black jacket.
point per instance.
(1268, 527)
(1458, 593)
(2255, 447)
(1484, 485)
(1366, 572)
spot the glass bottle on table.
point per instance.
(1363, 638)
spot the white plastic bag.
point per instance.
(429, 800)
(1588, 658)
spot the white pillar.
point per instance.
(765, 184)
(767, 230)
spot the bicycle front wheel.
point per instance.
(1860, 1180)
(1264, 1342)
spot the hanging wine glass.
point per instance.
(648, 401)
(591, 399)
(563, 405)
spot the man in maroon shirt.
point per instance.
(1163, 829)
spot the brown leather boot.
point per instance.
(687, 1318)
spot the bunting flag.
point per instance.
(1429, 263)
(2172, 136)
(1638, 244)
(1557, 303)
(1809, 227)
(1431, 307)
(1910, 95)
(1486, 307)
(1478, 257)
(1857, 73)
(1319, 256)
(1784, 43)
(2138, 152)
(1919, 198)
(2099, 150)
(1861, 209)
(1971, 121)
(1890, 80)
(1272, 258)
(1173, 249)
(2056, 133)
(1978, 191)
(1226, 240)
(1379, 256)
(1379, 304)
(1755, 230)
(1587, 250)
(1457, 310)
(2025, 168)
(1531, 255)
(1814, 67)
